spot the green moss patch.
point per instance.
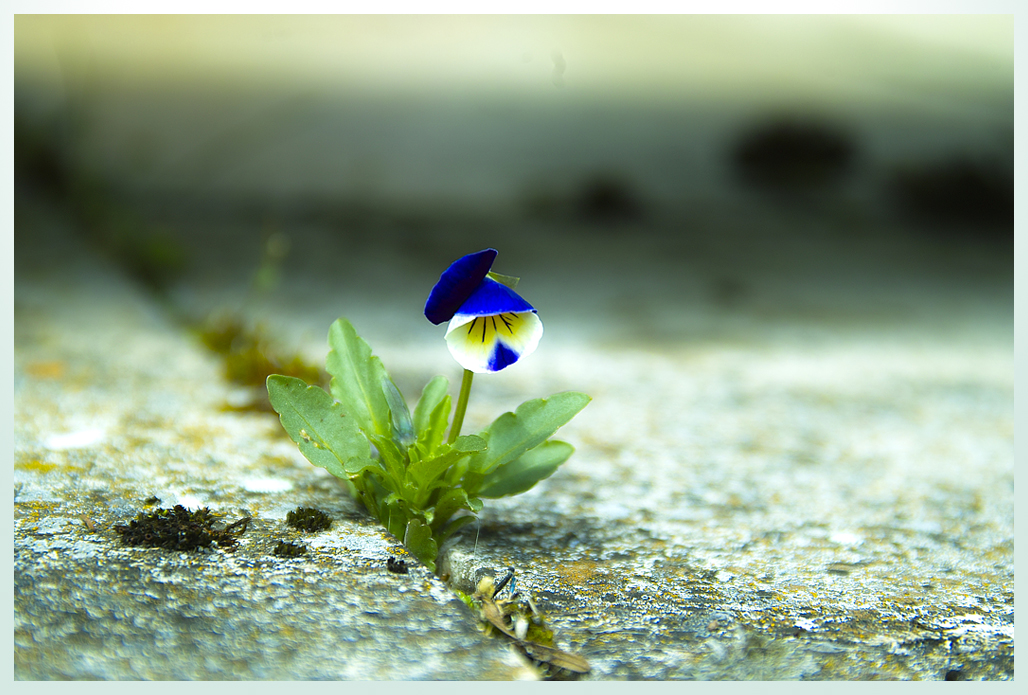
(308, 519)
(180, 529)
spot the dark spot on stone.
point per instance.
(396, 566)
(152, 500)
(308, 519)
(621, 555)
(954, 675)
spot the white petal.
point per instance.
(491, 343)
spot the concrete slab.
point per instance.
(798, 463)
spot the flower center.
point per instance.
(486, 328)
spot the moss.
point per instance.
(284, 549)
(180, 529)
(308, 519)
(249, 357)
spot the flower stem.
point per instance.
(462, 406)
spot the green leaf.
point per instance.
(469, 480)
(430, 439)
(524, 472)
(424, 472)
(394, 515)
(326, 435)
(357, 378)
(470, 443)
(452, 502)
(454, 526)
(393, 460)
(512, 434)
(403, 429)
(371, 467)
(418, 539)
(431, 396)
(508, 280)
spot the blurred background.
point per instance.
(777, 251)
(656, 181)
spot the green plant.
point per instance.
(422, 484)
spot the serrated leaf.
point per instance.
(533, 422)
(418, 540)
(357, 377)
(326, 435)
(524, 472)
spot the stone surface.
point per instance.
(116, 404)
(798, 462)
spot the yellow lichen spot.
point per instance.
(51, 369)
(35, 466)
(30, 509)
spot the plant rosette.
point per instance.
(422, 484)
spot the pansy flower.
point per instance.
(491, 326)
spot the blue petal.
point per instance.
(502, 357)
(489, 298)
(457, 284)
